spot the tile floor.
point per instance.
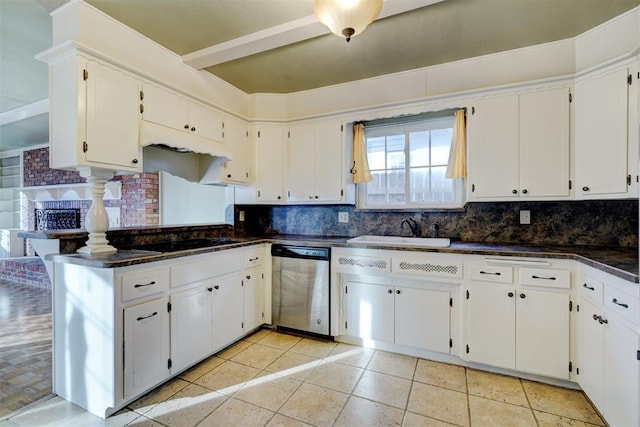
(25, 345)
(275, 379)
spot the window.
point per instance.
(408, 162)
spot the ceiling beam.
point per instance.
(25, 112)
(282, 35)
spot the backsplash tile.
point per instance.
(610, 223)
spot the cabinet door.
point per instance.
(205, 122)
(591, 352)
(542, 333)
(369, 311)
(113, 118)
(544, 143)
(328, 165)
(270, 164)
(228, 310)
(165, 108)
(302, 163)
(601, 135)
(254, 298)
(422, 319)
(237, 141)
(491, 325)
(493, 148)
(191, 327)
(146, 346)
(621, 374)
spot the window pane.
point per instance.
(376, 153)
(419, 149)
(440, 146)
(395, 152)
(441, 188)
(377, 189)
(419, 186)
(395, 185)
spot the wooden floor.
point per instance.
(25, 345)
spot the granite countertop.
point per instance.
(621, 262)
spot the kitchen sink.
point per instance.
(430, 242)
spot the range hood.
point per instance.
(182, 154)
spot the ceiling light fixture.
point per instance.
(347, 18)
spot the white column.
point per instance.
(97, 221)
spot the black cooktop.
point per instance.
(183, 245)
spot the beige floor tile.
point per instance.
(121, 418)
(269, 392)
(313, 347)
(201, 368)
(485, 412)
(441, 374)
(496, 387)
(258, 335)
(560, 401)
(293, 365)
(232, 350)
(393, 364)
(384, 388)
(52, 411)
(228, 377)
(315, 405)
(257, 356)
(551, 420)
(335, 376)
(187, 407)
(143, 421)
(279, 420)
(279, 340)
(351, 355)
(362, 412)
(237, 413)
(160, 394)
(439, 403)
(415, 420)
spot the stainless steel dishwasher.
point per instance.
(300, 299)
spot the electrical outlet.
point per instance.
(343, 217)
(525, 217)
(241, 216)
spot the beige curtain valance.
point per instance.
(360, 169)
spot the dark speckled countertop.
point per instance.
(621, 262)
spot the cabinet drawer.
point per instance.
(545, 277)
(592, 289)
(254, 257)
(207, 268)
(144, 283)
(490, 273)
(622, 304)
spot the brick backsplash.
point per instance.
(37, 171)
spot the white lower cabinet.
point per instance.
(146, 339)
(254, 298)
(402, 315)
(228, 310)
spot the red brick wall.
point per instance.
(37, 172)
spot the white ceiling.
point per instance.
(444, 31)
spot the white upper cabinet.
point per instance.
(236, 138)
(519, 146)
(95, 116)
(270, 163)
(315, 162)
(606, 134)
(177, 112)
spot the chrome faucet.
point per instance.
(413, 225)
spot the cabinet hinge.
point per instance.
(242, 283)
(141, 108)
(570, 367)
(570, 305)
(570, 97)
(341, 192)
(247, 134)
(628, 179)
(346, 289)
(467, 349)
(169, 307)
(629, 79)
(262, 314)
(450, 302)
(473, 188)
(242, 325)
(289, 193)
(341, 128)
(263, 275)
(638, 355)
(258, 193)
(169, 364)
(450, 343)
(473, 110)
(85, 146)
(577, 308)
(141, 96)
(577, 371)
(467, 293)
(570, 184)
(345, 324)
(258, 134)
(85, 74)
(289, 134)
(247, 174)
